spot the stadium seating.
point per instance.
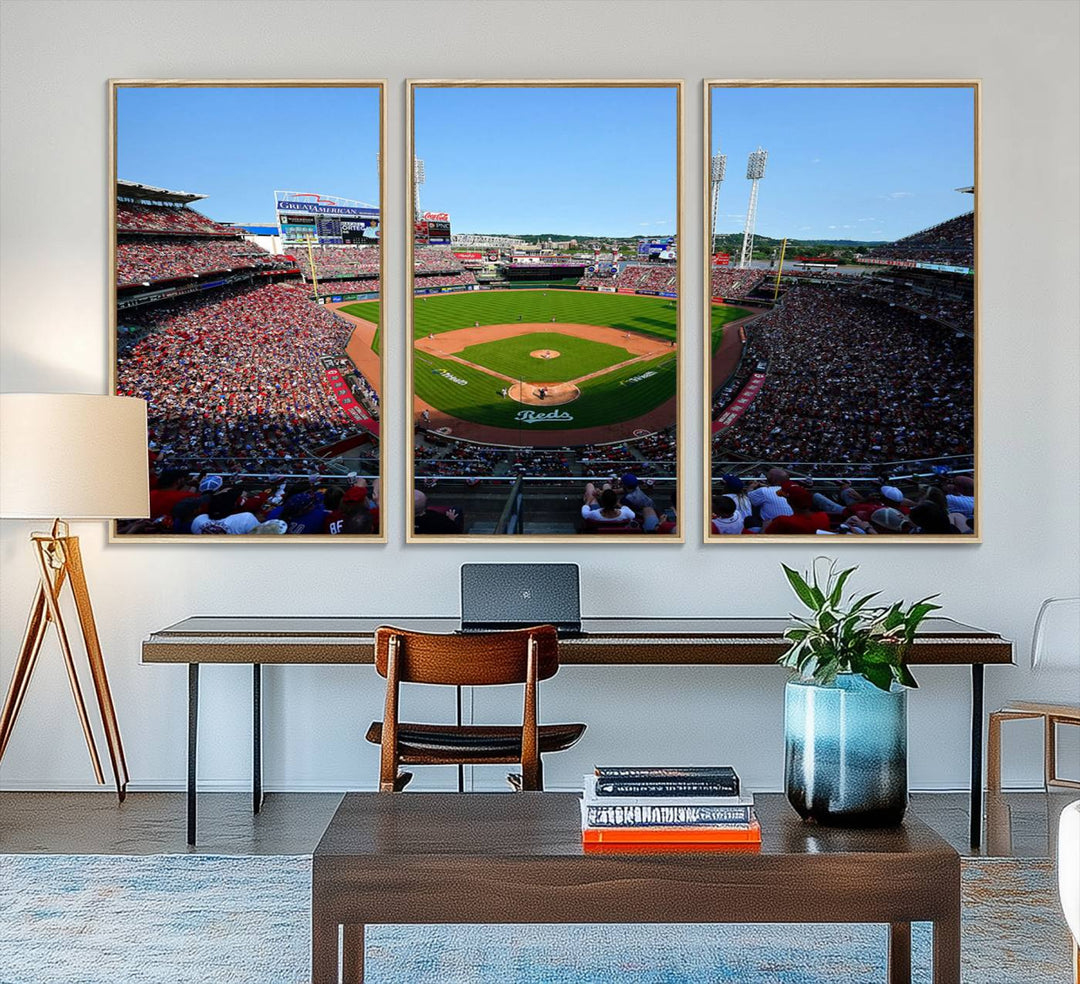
(731, 282)
(950, 243)
(851, 379)
(234, 378)
(146, 259)
(332, 262)
(167, 219)
(637, 277)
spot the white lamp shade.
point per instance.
(73, 456)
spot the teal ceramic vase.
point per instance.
(846, 752)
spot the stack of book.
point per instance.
(654, 806)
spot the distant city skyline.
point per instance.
(237, 145)
(521, 160)
(845, 163)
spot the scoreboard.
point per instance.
(323, 219)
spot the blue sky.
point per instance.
(587, 161)
(845, 163)
(239, 145)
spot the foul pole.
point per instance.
(311, 265)
(755, 171)
(779, 270)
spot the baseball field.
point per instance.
(542, 367)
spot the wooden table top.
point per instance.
(388, 827)
(620, 640)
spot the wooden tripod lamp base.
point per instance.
(59, 561)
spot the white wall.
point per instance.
(55, 60)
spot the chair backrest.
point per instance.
(1055, 642)
(468, 660)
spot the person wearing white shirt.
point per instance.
(767, 498)
(728, 519)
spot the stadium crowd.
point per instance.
(950, 243)
(435, 259)
(941, 302)
(330, 288)
(850, 379)
(235, 378)
(171, 219)
(145, 260)
(427, 281)
(636, 277)
(204, 504)
(732, 282)
(776, 505)
(337, 261)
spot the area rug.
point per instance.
(74, 919)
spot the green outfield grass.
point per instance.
(577, 357)
(366, 311)
(722, 314)
(608, 399)
(435, 313)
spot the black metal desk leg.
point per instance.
(193, 746)
(976, 753)
(461, 767)
(256, 738)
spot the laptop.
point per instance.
(515, 596)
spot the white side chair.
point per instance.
(1069, 876)
(1055, 646)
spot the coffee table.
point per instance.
(429, 858)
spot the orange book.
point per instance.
(748, 834)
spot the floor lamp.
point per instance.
(77, 457)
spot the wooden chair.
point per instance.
(485, 659)
(1055, 644)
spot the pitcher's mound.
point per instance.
(553, 394)
(545, 354)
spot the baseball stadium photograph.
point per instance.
(247, 271)
(545, 310)
(841, 319)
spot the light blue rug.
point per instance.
(174, 919)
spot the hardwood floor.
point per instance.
(1021, 824)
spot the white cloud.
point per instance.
(900, 194)
(816, 160)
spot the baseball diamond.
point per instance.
(486, 364)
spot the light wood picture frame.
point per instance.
(496, 160)
(245, 289)
(841, 310)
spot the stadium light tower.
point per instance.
(755, 171)
(717, 170)
(419, 176)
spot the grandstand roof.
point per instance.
(148, 193)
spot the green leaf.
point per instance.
(800, 587)
(903, 676)
(838, 589)
(862, 601)
(880, 676)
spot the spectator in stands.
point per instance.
(604, 507)
(890, 521)
(768, 499)
(728, 518)
(634, 497)
(803, 517)
(173, 486)
(929, 518)
(433, 520)
(221, 515)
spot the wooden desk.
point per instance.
(518, 858)
(619, 641)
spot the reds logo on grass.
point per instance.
(532, 417)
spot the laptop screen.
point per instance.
(510, 595)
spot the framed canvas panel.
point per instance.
(543, 311)
(246, 267)
(841, 311)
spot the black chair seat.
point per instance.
(473, 743)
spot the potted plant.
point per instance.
(845, 714)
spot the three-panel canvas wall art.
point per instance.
(544, 327)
